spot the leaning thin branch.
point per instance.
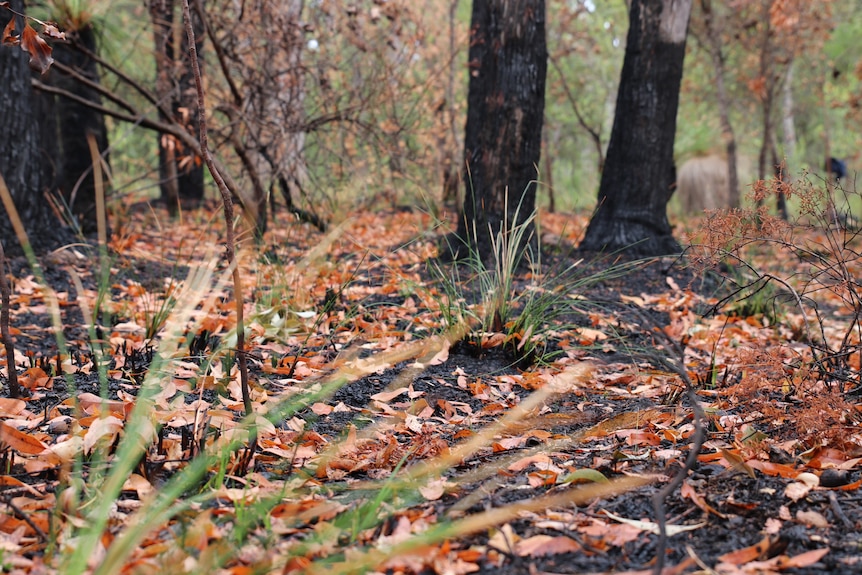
(137, 86)
(103, 91)
(221, 57)
(675, 365)
(143, 121)
(26, 518)
(133, 117)
(228, 215)
(698, 440)
(594, 134)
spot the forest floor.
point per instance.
(395, 426)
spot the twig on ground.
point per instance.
(839, 513)
(25, 517)
(676, 366)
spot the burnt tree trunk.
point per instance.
(639, 173)
(180, 170)
(73, 164)
(21, 153)
(190, 172)
(505, 110)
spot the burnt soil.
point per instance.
(745, 502)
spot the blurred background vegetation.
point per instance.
(377, 93)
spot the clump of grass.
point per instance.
(522, 319)
(757, 297)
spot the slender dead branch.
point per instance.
(595, 136)
(135, 85)
(26, 518)
(14, 387)
(659, 497)
(677, 366)
(227, 200)
(175, 130)
(96, 86)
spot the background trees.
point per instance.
(69, 125)
(329, 106)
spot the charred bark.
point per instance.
(506, 99)
(21, 153)
(639, 173)
(74, 122)
(181, 176)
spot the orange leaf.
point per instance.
(688, 491)
(103, 427)
(806, 559)
(539, 545)
(39, 50)
(851, 486)
(387, 396)
(526, 462)
(434, 490)
(643, 438)
(19, 441)
(91, 403)
(11, 406)
(33, 378)
(9, 36)
(469, 555)
(321, 408)
(51, 31)
(773, 469)
(747, 554)
(590, 336)
(542, 478)
(737, 462)
(138, 484)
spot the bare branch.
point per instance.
(175, 130)
(103, 91)
(228, 216)
(134, 84)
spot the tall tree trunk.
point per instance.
(505, 109)
(74, 175)
(639, 173)
(713, 33)
(180, 170)
(787, 123)
(768, 96)
(21, 152)
(449, 138)
(190, 171)
(283, 96)
(548, 170)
